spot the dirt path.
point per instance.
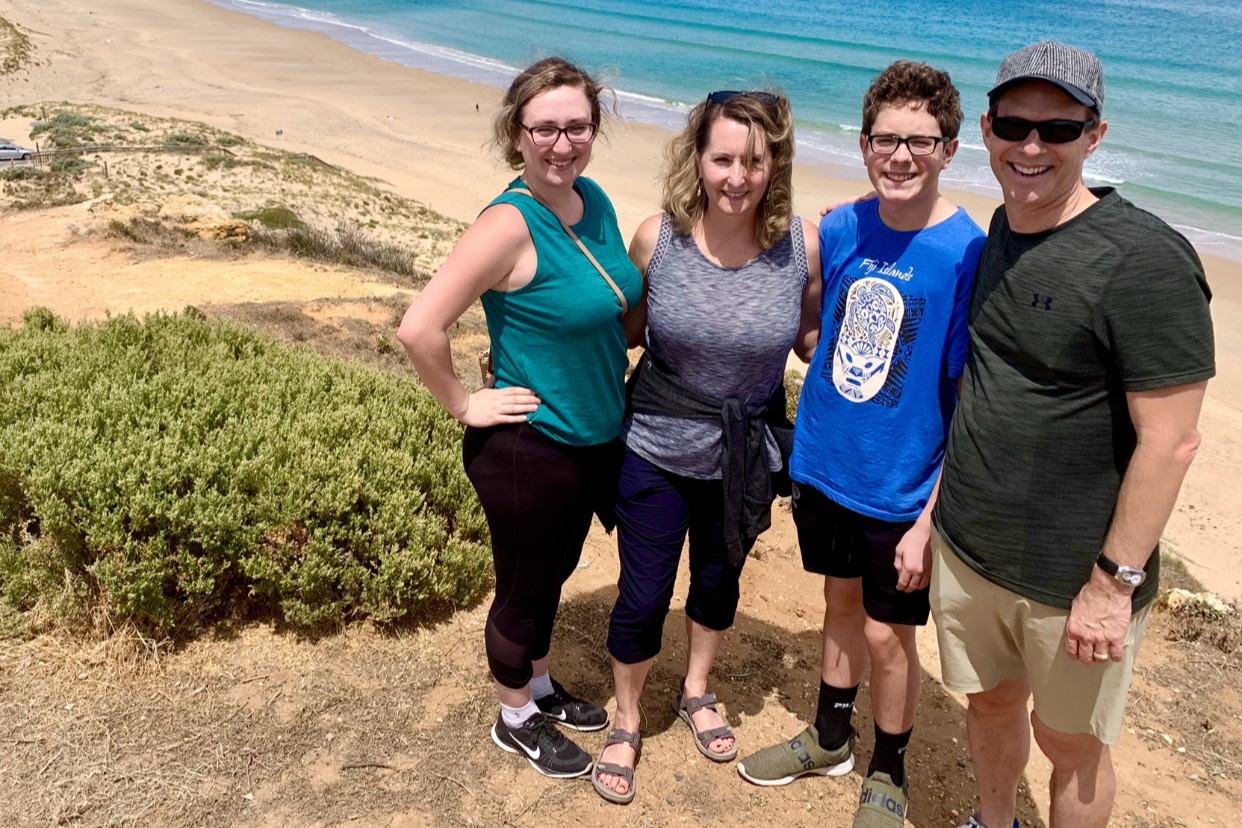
(258, 727)
(57, 258)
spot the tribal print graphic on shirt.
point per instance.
(875, 331)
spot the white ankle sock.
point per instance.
(517, 716)
(541, 686)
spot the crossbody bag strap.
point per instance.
(625, 306)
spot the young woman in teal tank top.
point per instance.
(541, 445)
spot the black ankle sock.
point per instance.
(890, 754)
(832, 715)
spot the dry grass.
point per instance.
(1187, 699)
(361, 329)
(16, 50)
(216, 730)
(370, 226)
(252, 726)
(250, 722)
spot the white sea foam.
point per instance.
(1212, 242)
(448, 54)
(1173, 186)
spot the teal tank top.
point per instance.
(561, 335)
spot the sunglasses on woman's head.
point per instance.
(724, 95)
(1056, 131)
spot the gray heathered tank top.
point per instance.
(726, 331)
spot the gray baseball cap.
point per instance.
(1074, 70)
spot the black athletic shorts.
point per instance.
(841, 543)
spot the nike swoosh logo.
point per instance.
(560, 717)
(534, 755)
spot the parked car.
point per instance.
(12, 152)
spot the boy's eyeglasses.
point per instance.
(725, 95)
(917, 144)
(545, 135)
(1056, 131)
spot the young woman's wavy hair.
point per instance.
(684, 198)
(539, 77)
(908, 82)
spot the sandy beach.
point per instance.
(423, 136)
(420, 133)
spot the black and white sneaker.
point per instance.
(567, 710)
(547, 749)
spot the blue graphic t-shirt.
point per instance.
(881, 388)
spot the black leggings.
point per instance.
(538, 495)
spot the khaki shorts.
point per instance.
(989, 634)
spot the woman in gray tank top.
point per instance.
(733, 284)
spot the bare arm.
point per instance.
(913, 558)
(496, 248)
(641, 247)
(808, 327)
(1166, 426)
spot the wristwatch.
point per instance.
(1128, 575)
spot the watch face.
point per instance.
(1132, 578)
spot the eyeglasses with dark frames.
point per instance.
(545, 135)
(916, 144)
(724, 95)
(1055, 131)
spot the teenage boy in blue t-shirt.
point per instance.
(871, 428)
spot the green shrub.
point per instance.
(184, 139)
(15, 48)
(32, 188)
(20, 173)
(278, 217)
(149, 231)
(793, 394)
(213, 161)
(65, 129)
(62, 119)
(171, 470)
(70, 166)
(41, 318)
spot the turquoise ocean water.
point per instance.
(1173, 71)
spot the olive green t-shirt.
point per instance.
(1062, 324)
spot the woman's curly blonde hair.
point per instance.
(684, 199)
(539, 77)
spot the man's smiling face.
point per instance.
(1036, 177)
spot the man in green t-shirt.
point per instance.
(1090, 350)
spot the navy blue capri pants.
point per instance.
(655, 511)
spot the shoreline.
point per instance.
(831, 147)
(419, 134)
(818, 181)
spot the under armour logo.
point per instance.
(1046, 300)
